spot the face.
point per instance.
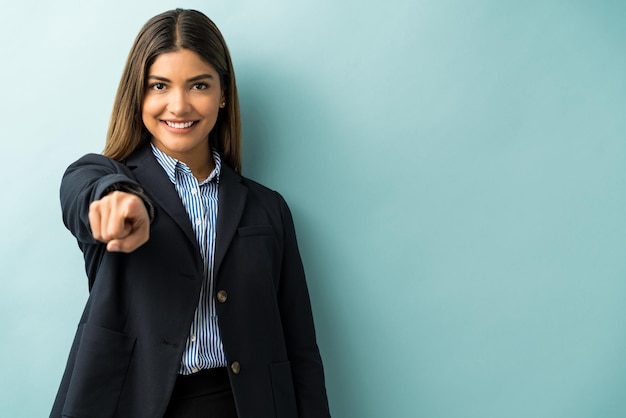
(181, 104)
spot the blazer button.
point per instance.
(222, 296)
(235, 367)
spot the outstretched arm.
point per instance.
(102, 202)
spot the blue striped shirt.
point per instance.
(203, 349)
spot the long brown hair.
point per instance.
(167, 32)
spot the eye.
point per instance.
(200, 86)
(157, 86)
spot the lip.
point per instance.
(179, 125)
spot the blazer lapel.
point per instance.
(152, 177)
(231, 202)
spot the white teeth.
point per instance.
(177, 125)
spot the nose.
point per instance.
(179, 102)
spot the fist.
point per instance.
(120, 220)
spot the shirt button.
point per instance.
(222, 296)
(198, 221)
(194, 191)
(193, 338)
(235, 367)
(194, 370)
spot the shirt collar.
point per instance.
(172, 165)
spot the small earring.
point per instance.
(223, 104)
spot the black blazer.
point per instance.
(128, 346)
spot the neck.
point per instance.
(200, 160)
(201, 168)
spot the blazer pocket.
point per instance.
(99, 372)
(282, 388)
(245, 231)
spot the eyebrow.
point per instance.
(192, 79)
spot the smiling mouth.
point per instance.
(179, 125)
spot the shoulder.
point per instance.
(92, 158)
(102, 164)
(97, 161)
(258, 188)
(257, 193)
(228, 176)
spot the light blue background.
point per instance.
(456, 170)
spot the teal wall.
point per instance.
(456, 170)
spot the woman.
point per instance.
(198, 305)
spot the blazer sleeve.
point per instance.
(87, 180)
(298, 327)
